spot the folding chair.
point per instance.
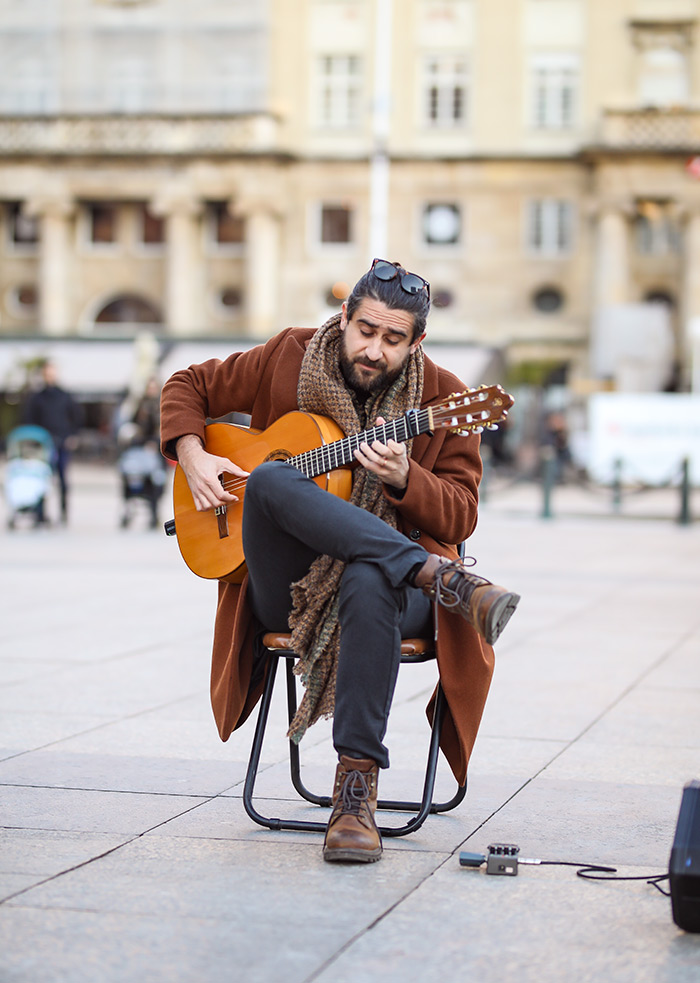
(413, 650)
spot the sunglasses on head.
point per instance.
(410, 282)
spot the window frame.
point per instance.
(337, 96)
(553, 79)
(19, 247)
(212, 244)
(555, 218)
(86, 225)
(450, 247)
(445, 85)
(315, 217)
(150, 248)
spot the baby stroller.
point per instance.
(143, 476)
(28, 473)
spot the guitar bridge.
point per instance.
(221, 513)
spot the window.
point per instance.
(554, 83)
(23, 301)
(338, 90)
(664, 55)
(445, 91)
(442, 224)
(656, 228)
(152, 227)
(549, 226)
(102, 223)
(231, 298)
(224, 228)
(548, 300)
(29, 72)
(130, 309)
(443, 298)
(663, 79)
(22, 229)
(336, 224)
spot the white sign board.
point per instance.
(649, 433)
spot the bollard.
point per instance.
(684, 516)
(486, 461)
(617, 485)
(549, 477)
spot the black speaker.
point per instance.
(684, 865)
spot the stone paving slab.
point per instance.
(544, 925)
(125, 852)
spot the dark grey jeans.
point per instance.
(287, 522)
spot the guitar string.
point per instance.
(316, 454)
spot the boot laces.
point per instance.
(459, 588)
(355, 792)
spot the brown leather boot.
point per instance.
(352, 833)
(486, 606)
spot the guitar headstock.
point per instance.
(473, 410)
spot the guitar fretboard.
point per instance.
(340, 453)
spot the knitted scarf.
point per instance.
(314, 618)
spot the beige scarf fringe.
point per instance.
(314, 618)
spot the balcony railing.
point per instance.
(651, 129)
(127, 135)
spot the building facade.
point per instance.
(225, 169)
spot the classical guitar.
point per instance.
(210, 542)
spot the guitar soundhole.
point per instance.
(278, 455)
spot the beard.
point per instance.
(366, 385)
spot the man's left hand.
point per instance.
(389, 461)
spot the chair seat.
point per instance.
(409, 646)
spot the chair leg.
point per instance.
(426, 806)
(421, 809)
(294, 760)
(254, 762)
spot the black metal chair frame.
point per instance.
(422, 809)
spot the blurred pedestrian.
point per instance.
(141, 463)
(147, 414)
(54, 409)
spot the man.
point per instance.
(349, 578)
(54, 409)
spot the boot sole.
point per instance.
(499, 615)
(352, 856)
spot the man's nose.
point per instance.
(374, 350)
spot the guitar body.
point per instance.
(211, 543)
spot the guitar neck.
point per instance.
(341, 453)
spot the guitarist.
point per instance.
(348, 578)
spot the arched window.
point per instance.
(129, 309)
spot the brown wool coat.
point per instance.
(438, 508)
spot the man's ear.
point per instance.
(343, 316)
(416, 343)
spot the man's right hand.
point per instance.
(203, 470)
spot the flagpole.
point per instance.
(381, 122)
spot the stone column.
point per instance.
(56, 316)
(611, 279)
(262, 272)
(185, 312)
(261, 203)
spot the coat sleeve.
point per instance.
(211, 390)
(442, 495)
(441, 498)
